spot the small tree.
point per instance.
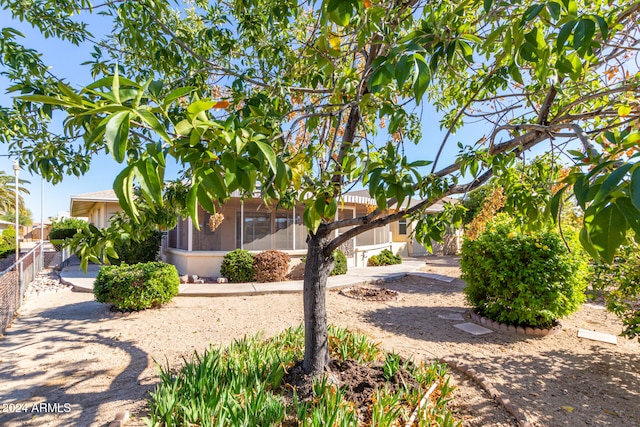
(288, 98)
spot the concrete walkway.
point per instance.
(83, 282)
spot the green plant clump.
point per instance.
(133, 252)
(244, 385)
(68, 227)
(271, 266)
(7, 242)
(522, 279)
(237, 266)
(386, 257)
(339, 263)
(138, 286)
(620, 284)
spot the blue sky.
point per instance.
(65, 60)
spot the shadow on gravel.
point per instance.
(67, 374)
(563, 388)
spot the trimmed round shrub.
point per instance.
(522, 279)
(138, 286)
(339, 263)
(386, 257)
(271, 266)
(237, 266)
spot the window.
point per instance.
(256, 231)
(283, 231)
(402, 226)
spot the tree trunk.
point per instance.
(316, 272)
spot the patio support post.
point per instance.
(241, 224)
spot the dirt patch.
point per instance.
(66, 348)
(370, 294)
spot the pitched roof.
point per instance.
(81, 203)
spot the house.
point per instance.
(97, 207)
(253, 226)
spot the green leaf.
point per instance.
(150, 181)
(177, 93)
(49, 100)
(123, 187)
(115, 85)
(192, 202)
(311, 217)
(487, 5)
(630, 212)
(554, 10)
(634, 187)
(149, 118)
(531, 13)
(581, 190)
(402, 71)
(611, 182)
(268, 153)
(564, 34)
(587, 245)
(422, 76)
(584, 32)
(340, 11)
(607, 230)
(184, 127)
(198, 107)
(116, 134)
(604, 28)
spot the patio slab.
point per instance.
(597, 336)
(439, 277)
(473, 329)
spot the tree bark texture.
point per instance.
(316, 272)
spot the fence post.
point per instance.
(19, 267)
(33, 261)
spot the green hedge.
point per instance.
(133, 252)
(8, 242)
(523, 279)
(136, 287)
(66, 228)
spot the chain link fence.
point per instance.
(14, 281)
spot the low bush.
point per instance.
(271, 266)
(522, 279)
(237, 266)
(68, 227)
(133, 252)
(138, 286)
(386, 257)
(619, 282)
(339, 263)
(8, 242)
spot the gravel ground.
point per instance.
(67, 350)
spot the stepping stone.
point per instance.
(597, 336)
(451, 316)
(473, 329)
(432, 276)
(594, 306)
